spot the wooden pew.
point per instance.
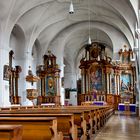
(65, 122)
(35, 128)
(79, 119)
(86, 113)
(86, 120)
(11, 132)
(96, 120)
(96, 116)
(78, 116)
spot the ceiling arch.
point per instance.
(17, 42)
(50, 23)
(79, 6)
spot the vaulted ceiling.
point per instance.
(49, 24)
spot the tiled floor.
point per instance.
(120, 127)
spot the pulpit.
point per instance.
(32, 93)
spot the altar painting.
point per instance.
(50, 86)
(125, 82)
(126, 93)
(96, 79)
(125, 59)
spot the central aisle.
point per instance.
(120, 127)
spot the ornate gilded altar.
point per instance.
(127, 75)
(96, 70)
(103, 80)
(49, 85)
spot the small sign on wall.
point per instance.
(6, 72)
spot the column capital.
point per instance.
(137, 32)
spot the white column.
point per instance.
(83, 83)
(23, 84)
(110, 83)
(58, 86)
(137, 52)
(118, 84)
(138, 89)
(87, 83)
(4, 85)
(61, 89)
(115, 81)
(107, 83)
(139, 71)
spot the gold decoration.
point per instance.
(31, 78)
(32, 94)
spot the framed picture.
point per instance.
(6, 72)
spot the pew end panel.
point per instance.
(11, 132)
(34, 128)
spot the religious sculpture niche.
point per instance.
(13, 81)
(49, 75)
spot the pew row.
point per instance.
(78, 123)
(88, 119)
(65, 122)
(35, 128)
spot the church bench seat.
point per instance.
(65, 122)
(90, 116)
(35, 128)
(93, 116)
(99, 114)
(78, 119)
(11, 132)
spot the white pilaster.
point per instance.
(115, 81)
(62, 90)
(4, 85)
(108, 83)
(83, 83)
(118, 77)
(23, 84)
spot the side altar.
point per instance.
(49, 74)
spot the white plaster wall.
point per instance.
(61, 41)
(64, 34)
(73, 98)
(4, 86)
(70, 80)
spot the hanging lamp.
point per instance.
(71, 9)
